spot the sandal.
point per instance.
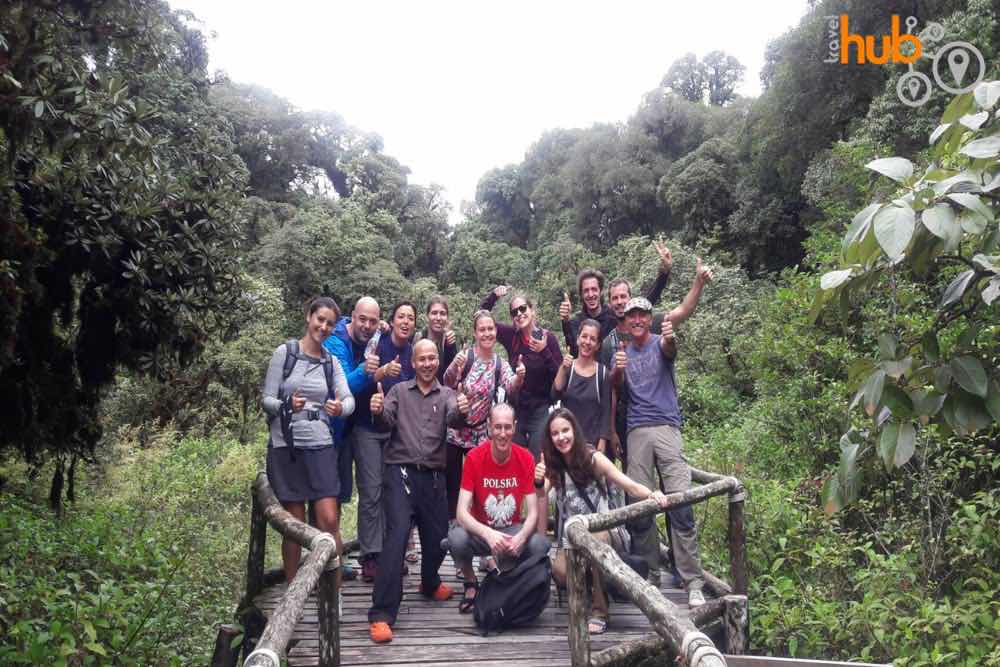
(411, 556)
(599, 623)
(467, 603)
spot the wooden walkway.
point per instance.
(434, 634)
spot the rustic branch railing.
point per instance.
(319, 568)
(674, 631)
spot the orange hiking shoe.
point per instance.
(440, 594)
(380, 632)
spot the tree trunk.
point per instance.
(329, 617)
(579, 607)
(56, 489)
(736, 623)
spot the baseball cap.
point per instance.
(638, 303)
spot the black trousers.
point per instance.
(409, 496)
(453, 476)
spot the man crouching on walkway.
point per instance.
(497, 476)
(413, 488)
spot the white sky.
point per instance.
(457, 88)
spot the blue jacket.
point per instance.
(340, 345)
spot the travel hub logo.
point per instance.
(958, 67)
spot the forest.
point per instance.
(163, 225)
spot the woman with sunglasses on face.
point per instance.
(299, 402)
(580, 476)
(584, 387)
(538, 350)
(484, 377)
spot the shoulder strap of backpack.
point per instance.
(326, 359)
(291, 356)
(497, 364)
(470, 358)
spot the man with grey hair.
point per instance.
(497, 484)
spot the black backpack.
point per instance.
(292, 355)
(513, 598)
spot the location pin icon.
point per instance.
(958, 63)
(913, 85)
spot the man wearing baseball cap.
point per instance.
(654, 438)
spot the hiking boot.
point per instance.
(380, 632)
(440, 594)
(369, 567)
(695, 598)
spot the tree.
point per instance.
(687, 77)
(934, 369)
(505, 209)
(700, 190)
(722, 73)
(118, 186)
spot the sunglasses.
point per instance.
(520, 310)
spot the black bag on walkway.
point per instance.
(515, 597)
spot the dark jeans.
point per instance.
(530, 427)
(420, 498)
(453, 475)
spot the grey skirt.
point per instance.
(314, 473)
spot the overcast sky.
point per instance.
(457, 88)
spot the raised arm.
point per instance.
(655, 290)
(702, 276)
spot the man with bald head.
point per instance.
(348, 343)
(417, 413)
(497, 510)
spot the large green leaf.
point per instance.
(982, 148)
(926, 404)
(993, 400)
(939, 220)
(970, 375)
(956, 289)
(973, 203)
(873, 391)
(896, 168)
(905, 444)
(897, 400)
(929, 343)
(834, 279)
(894, 228)
(970, 412)
(987, 93)
(887, 346)
(991, 291)
(887, 444)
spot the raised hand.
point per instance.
(298, 401)
(703, 273)
(383, 326)
(667, 329)
(567, 361)
(501, 291)
(540, 472)
(463, 402)
(449, 337)
(566, 307)
(333, 407)
(519, 369)
(621, 357)
(666, 258)
(371, 363)
(393, 368)
(462, 358)
(378, 400)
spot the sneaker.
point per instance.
(695, 598)
(348, 573)
(369, 567)
(441, 593)
(380, 632)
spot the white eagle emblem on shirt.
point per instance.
(500, 510)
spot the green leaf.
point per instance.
(873, 391)
(894, 228)
(926, 404)
(970, 412)
(834, 279)
(887, 346)
(897, 369)
(932, 351)
(887, 444)
(938, 131)
(974, 121)
(896, 168)
(905, 444)
(939, 220)
(88, 627)
(982, 148)
(96, 648)
(993, 401)
(848, 472)
(973, 203)
(833, 499)
(958, 107)
(942, 378)
(988, 262)
(970, 375)
(897, 400)
(991, 291)
(956, 289)
(39, 108)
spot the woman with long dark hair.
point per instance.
(580, 476)
(583, 385)
(304, 387)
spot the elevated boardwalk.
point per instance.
(434, 634)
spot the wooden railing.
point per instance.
(318, 569)
(678, 633)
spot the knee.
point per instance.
(682, 519)
(458, 542)
(538, 545)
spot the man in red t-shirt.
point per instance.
(497, 483)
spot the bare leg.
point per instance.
(291, 552)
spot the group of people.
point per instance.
(465, 445)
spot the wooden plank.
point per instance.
(763, 661)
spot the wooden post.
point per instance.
(579, 605)
(225, 654)
(737, 542)
(328, 593)
(255, 555)
(735, 622)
